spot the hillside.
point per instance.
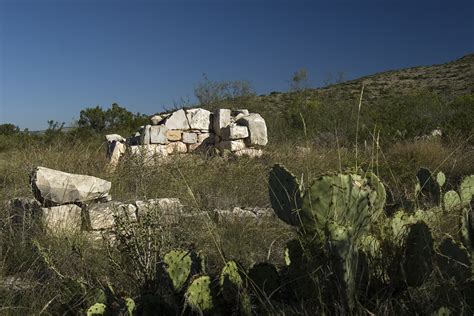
(448, 80)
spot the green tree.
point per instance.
(9, 129)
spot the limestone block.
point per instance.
(156, 119)
(102, 216)
(233, 131)
(114, 137)
(190, 138)
(57, 187)
(232, 145)
(176, 148)
(62, 218)
(158, 135)
(257, 129)
(174, 135)
(250, 152)
(145, 135)
(199, 119)
(115, 151)
(222, 118)
(177, 120)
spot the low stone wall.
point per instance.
(68, 203)
(187, 130)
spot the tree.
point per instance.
(208, 92)
(299, 81)
(9, 129)
(94, 118)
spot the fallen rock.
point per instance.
(199, 119)
(56, 187)
(62, 218)
(102, 216)
(257, 128)
(177, 120)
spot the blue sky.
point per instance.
(58, 57)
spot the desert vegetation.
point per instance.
(373, 213)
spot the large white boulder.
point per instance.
(56, 187)
(222, 118)
(257, 128)
(177, 120)
(199, 119)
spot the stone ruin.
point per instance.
(188, 130)
(66, 202)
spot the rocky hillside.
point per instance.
(447, 80)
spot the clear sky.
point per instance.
(58, 57)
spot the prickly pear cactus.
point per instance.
(230, 281)
(467, 229)
(466, 190)
(198, 294)
(343, 262)
(440, 179)
(96, 309)
(378, 199)
(264, 279)
(451, 201)
(285, 195)
(417, 261)
(453, 260)
(342, 198)
(428, 187)
(178, 266)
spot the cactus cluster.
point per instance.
(336, 216)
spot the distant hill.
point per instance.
(448, 80)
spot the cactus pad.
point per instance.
(230, 281)
(285, 195)
(451, 200)
(466, 190)
(178, 266)
(96, 309)
(198, 295)
(264, 278)
(417, 261)
(453, 260)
